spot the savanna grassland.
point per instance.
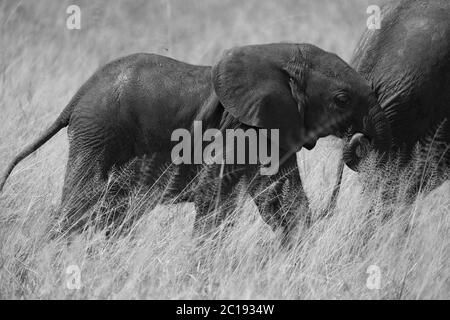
(42, 64)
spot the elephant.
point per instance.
(130, 107)
(407, 63)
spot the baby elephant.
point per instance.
(130, 109)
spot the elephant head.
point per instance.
(303, 91)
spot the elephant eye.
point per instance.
(341, 100)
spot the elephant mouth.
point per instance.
(310, 144)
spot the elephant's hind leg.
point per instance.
(83, 187)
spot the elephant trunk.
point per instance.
(377, 136)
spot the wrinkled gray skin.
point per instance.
(407, 63)
(129, 108)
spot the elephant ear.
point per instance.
(263, 86)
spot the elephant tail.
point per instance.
(61, 122)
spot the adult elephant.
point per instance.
(407, 62)
(130, 108)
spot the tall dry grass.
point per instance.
(43, 64)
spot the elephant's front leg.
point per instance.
(215, 197)
(282, 201)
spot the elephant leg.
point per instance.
(178, 184)
(97, 165)
(150, 180)
(83, 187)
(282, 201)
(215, 198)
(430, 165)
(163, 181)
